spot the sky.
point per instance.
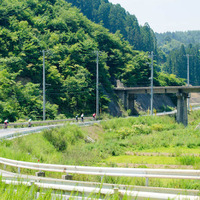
(164, 15)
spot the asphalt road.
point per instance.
(11, 133)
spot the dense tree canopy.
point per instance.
(69, 39)
(177, 63)
(115, 18)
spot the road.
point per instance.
(16, 132)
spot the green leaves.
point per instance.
(69, 40)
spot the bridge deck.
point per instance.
(160, 90)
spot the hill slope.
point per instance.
(69, 40)
(115, 18)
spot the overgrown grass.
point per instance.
(18, 192)
(114, 138)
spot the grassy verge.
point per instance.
(118, 142)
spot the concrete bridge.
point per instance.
(126, 94)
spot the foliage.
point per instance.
(187, 37)
(173, 48)
(118, 136)
(177, 63)
(189, 160)
(68, 40)
(169, 79)
(115, 18)
(60, 140)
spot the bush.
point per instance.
(191, 145)
(141, 129)
(62, 137)
(56, 139)
(124, 133)
(157, 127)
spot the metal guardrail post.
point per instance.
(116, 190)
(147, 181)
(18, 170)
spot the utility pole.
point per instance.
(188, 75)
(152, 83)
(97, 83)
(44, 117)
(44, 84)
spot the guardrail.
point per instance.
(45, 122)
(88, 189)
(106, 171)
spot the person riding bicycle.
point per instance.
(82, 117)
(94, 116)
(6, 123)
(29, 122)
(76, 118)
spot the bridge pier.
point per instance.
(123, 97)
(182, 116)
(131, 103)
(127, 100)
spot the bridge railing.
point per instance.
(106, 171)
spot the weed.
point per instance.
(188, 160)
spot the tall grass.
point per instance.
(68, 145)
(20, 191)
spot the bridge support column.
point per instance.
(127, 100)
(182, 116)
(131, 103)
(123, 96)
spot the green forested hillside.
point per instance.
(186, 38)
(176, 45)
(115, 18)
(27, 28)
(70, 41)
(177, 63)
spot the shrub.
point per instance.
(191, 145)
(56, 139)
(61, 137)
(124, 132)
(157, 127)
(179, 144)
(141, 129)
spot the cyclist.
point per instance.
(94, 116)
(76, 118)
(82, 117)
(6, 123)
(29, 122)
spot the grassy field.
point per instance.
(147, 142)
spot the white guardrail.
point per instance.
(106, 171)
(46, 122)
(87, 188)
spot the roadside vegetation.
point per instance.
(18, 192)
(145, 142)
(21, 191)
